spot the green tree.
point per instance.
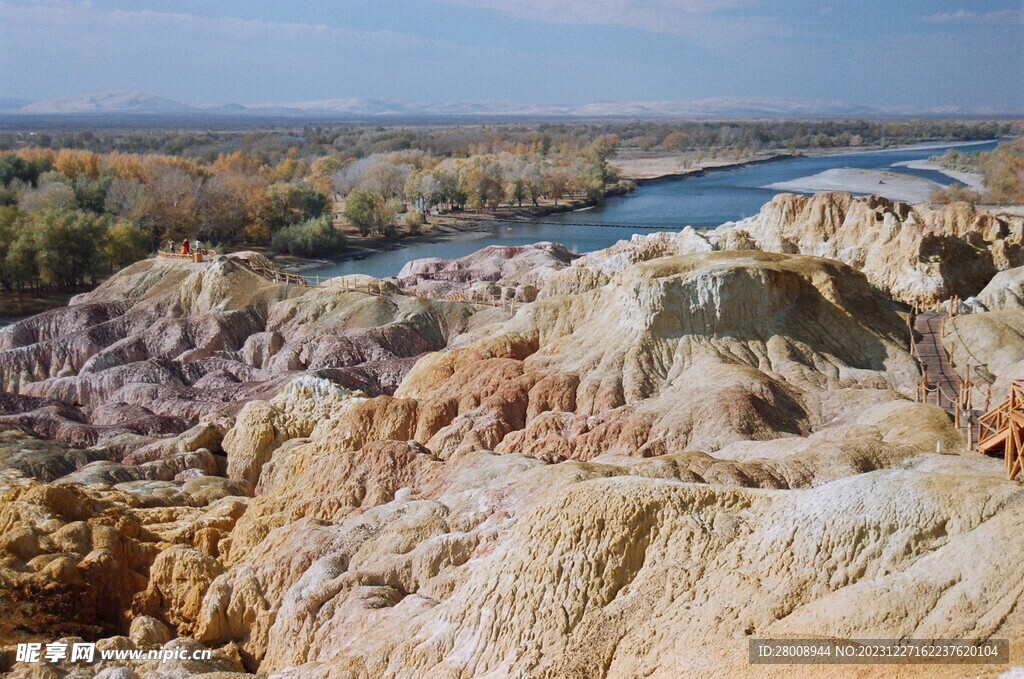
(91, 194)
(13, 166)
(20, 265)
(290, 204)
(69, 247)
(517, 191)
(125, 243)
(360, 210)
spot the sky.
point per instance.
(923, 53)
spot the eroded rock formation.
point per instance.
(165, 344)
(676, 444)
(912, 253)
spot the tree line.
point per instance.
(71, 216)
(271, 145)
(79, 203)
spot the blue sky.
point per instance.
(878, 52)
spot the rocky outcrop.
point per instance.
(504, 272)
(741, 369)
(912, 253)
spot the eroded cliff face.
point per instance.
(911, 253)
(674, 448)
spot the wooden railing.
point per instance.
(1003, 428)
(971, 386)
(276, 275)
(371, 287)
(992, 424)
(471, 297)
(194, 256)
(268, 272)
(955, 303)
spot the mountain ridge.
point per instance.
(131, 102)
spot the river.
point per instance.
(706, 200)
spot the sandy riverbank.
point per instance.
(660, 165)
(664, 166)
(971, 180)
(892, 185)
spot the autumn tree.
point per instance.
(517, 191)
(676, 141)
(1003, 172)
(170, 205)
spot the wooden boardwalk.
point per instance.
(941, 383)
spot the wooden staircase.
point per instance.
(1001, 430)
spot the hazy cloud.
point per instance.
(964, 16)
(71, 13)
(708, 21)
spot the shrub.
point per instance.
(316, 236)
(955, 193)
(414, 221)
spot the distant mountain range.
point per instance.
(142, 104)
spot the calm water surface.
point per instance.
(704, 201)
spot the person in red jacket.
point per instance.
(185, 247)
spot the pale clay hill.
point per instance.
(674, 444)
